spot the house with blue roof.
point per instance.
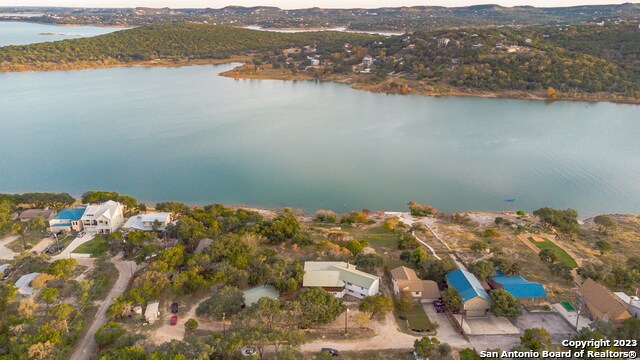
(67, 220)
(475, 300)
(527, 292)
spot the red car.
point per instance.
(174, 320)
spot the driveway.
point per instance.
(5, 252)
(446, 332)
(388, 336)
(554, 323)
(66, 253)
(502, 342)
(87, 347)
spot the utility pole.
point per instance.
(578, 313)
(224, 330)
(346, 317)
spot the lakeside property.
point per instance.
(393, 282)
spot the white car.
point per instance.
(247, 351)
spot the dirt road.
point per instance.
(5, 252)
(86, 348)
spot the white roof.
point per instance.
(630, 301)
(23, 283)
(4, 267)
(335, 274)
(152, 309)
(107, 209)
(137, 221)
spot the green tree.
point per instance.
(482, 269)
(605, 223)
(437, 269)
(418, 256)
(536, 339)
(479, 246)
(368, 262)
(503, 304)
(62, 268)
(108, 333)
(377, 306)
(281, 228)
(452, 299)
(469, 354)
(548, 256)
(604, 246)
(190, 326)
(226, 300)
(425, 346)
(48, 295)
(320, 306)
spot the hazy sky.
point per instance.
(295, 4)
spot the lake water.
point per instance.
(20, 33)
(188, 134)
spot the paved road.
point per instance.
(5, 252)
(87, 347)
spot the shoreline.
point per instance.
(354, 80)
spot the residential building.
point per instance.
(475, 300)
(253, 295)
(600, 304)
(632, 303)
(151, 313)
(31, 214)
(444, 41)
(146, 222)
(405, 279)
(314, 62)
(367, 60)
(340, 278)
(105, 218)
(24, 284)
(67, 220)
(527, 292)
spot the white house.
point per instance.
(340, 278)
(151, 313)
(367, 60)
(145, 222)
(104, 218)
(632, 302)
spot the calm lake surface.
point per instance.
(21, 33)
(188, 134)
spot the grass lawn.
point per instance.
(97, 247)
(562, 255)
(378, 237)
(418, 319)
(31, 239)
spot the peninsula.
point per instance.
(581, 62)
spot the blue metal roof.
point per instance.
(70, 214)
(519, 287)
(467, 285)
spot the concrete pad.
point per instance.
(446, 332)
(571, 317)
(490, 325)
(66, 253)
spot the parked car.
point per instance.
(331, 351)
(54, 249)
(81, 234)
(174, 320)
(247, 351)
(174, 308)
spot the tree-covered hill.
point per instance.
(168, 41)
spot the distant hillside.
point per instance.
(391, 18)
(168, 42)
(571, 62)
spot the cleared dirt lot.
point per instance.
(555, 324)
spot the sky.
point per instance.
(297, 4)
